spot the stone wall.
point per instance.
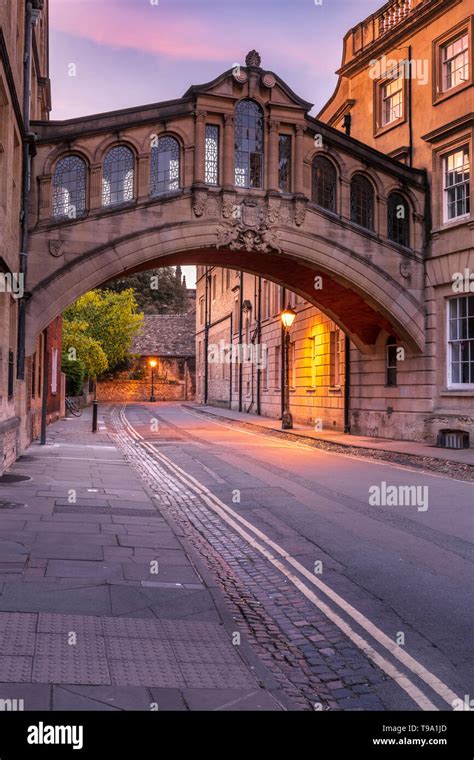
(139, 390)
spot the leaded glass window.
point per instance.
(398, 220)
(118, 176)
(248, 145)
(69, 187)
(284, 163)
(362, 202)
(324, 183)
(164, 166)
(212, 155)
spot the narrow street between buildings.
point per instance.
(179, 561)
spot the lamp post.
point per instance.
(287, 317)
(152, 364)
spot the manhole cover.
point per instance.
(11, 477)
(11, 505)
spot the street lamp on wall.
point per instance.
(152, 364)
(287, 317)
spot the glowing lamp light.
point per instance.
(153, 363)
(287, 317)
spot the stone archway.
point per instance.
(346, 275)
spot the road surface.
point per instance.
(373, 600)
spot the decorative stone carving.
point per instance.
(200, 195)
(253, 59)
(405, 270)
(250, 229)
(56, 248)
(213, 206)
(301, 204)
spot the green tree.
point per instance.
(157, 291)
(82, 356)
(98, 330)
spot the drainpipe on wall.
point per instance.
(231, 364)
(259, 335)
(282, 358)
(410, 121)
(44, 404)
(206, 337)
(31, 16)
(347, 384)
(241, 368)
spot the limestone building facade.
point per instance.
(24, 96)
(404, 88)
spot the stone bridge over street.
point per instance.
(233, 174)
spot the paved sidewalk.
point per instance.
(412, 448)
(103, 604)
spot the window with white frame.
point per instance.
(392, 101)
(455, 62)
(457, 184)
(461, 342)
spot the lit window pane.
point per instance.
(118, 176)
(69, 187)
(324, 183)
(164, 166)
(248, 145)
(362, 202)
(212, 155)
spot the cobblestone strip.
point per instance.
(312, 660)
(413, 461)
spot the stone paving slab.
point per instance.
(216, 676)
(81, 566)
(82, 624)
(15, 668)
(100, 698)
(138, 649)
(118, 651)
(76, 668)
(34, 696)
(140, 672)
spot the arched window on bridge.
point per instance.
(362, 202)
(323, 189)
(69, 187)
(248, 144)
(118, 176)
(164, 166)
(398, 220)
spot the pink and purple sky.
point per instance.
(132, 52)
